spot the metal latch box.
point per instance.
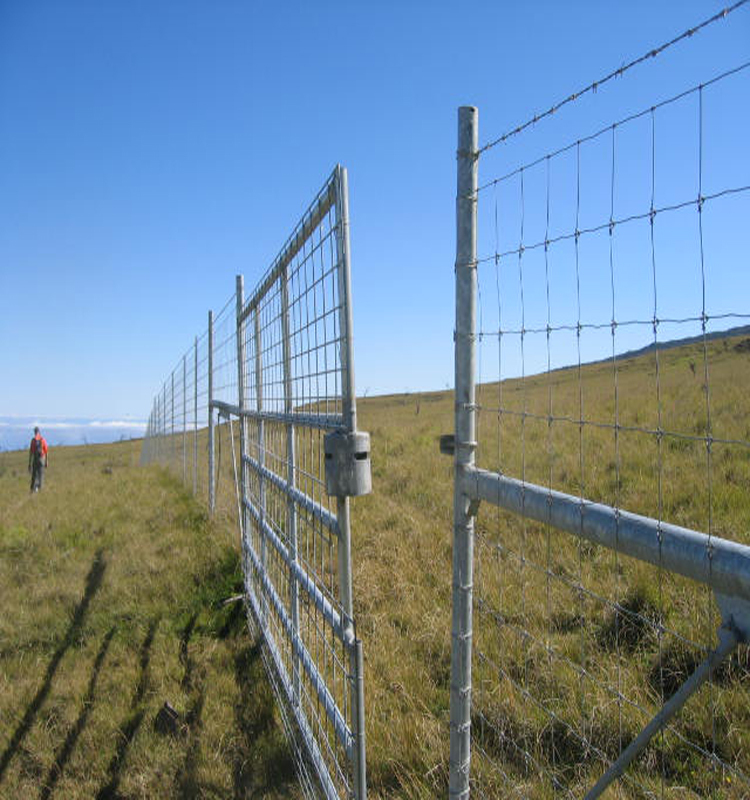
(347, 459)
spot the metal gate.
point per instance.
(280, 364)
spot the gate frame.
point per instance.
(334, 195)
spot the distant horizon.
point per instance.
(16, 430)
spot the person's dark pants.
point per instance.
(37, 477)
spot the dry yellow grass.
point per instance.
(108, 583)
(541, 645)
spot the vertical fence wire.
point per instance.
(617, 373)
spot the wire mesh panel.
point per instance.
(296, 386)
(603, 459)
(177, 434)
(258, 416)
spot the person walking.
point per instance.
(38, 460)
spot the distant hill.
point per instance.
(743, 330)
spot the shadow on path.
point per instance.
(93, 582)
(187, 664)
(70, 740)
(187, 786)
(133, 721)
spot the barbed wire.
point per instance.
(617, 73)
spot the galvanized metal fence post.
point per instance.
(211, 469)
(163, 438)
(465, 445)
(349, 402)
(291, 477)
(195, 421)
(241, 384)
(171, 435)
(261, 443)
(184, 420)
(349, 409)
(155, 447)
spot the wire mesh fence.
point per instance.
(603, 456)
(177, 434)
(275, 371)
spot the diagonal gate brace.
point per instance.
(735, 628)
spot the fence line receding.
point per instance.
(260, 416)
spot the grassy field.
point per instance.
(111, 578)
(109, 585)
(574, 645)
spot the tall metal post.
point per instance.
(290, 473)
(163, 431)
(171, 435)
(211, 469)
(465, 446)
(348, 399)
(163, 440)
(195, 421)
(157, 430)
(261, 447)
(242, 403)
(184, 419)
(349, 409)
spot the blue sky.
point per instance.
(150, 151)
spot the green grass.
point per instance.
(109, 581)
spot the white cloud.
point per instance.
(64, 424)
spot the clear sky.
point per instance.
(150, 151)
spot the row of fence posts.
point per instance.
(157, 425)
(163, 424)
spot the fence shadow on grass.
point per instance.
(133, 721)
(93, 583)
(187, 785)
(263, 764)
(61, 759)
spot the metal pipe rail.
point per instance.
(343, 731)
(304, 501)
(319, 208)
(721, 564)
(326, 422)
